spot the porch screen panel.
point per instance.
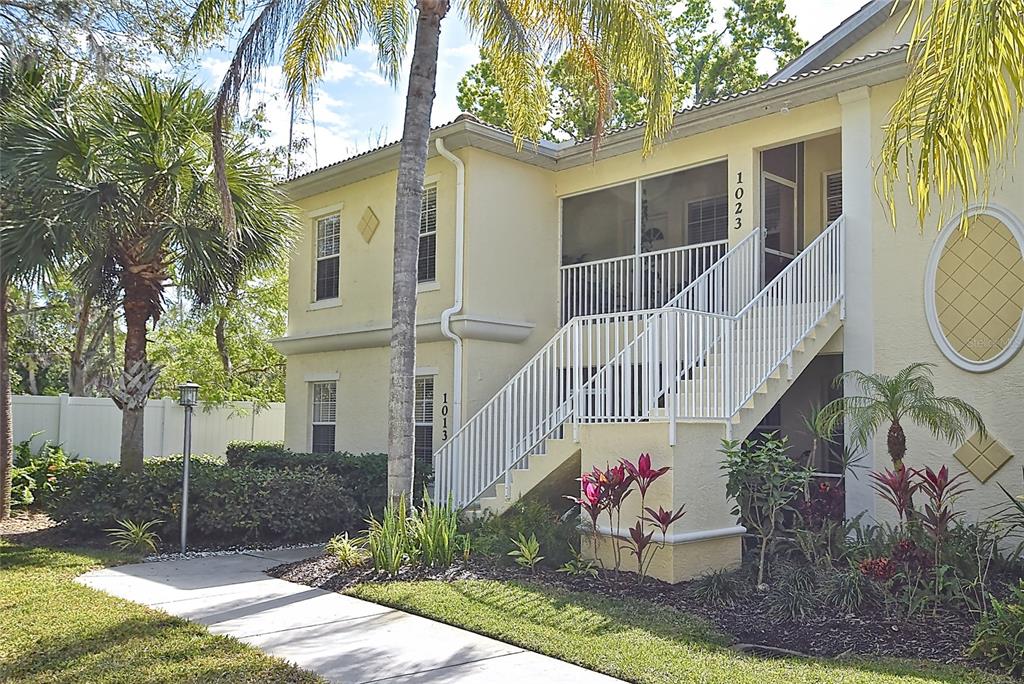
(599, 225)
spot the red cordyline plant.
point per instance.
(942, 491)
(897, 487)
(606, 490)
(592, 500)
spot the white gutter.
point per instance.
(456, 307)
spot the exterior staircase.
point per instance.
(719, 354)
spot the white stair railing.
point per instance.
(764, 334)
(633, 282)
(699, 363)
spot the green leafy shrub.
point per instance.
(350, 553)
(225, 503)
(493, 535)
(366, 474)
(999, 636)
(764, 482)
(527, 552)
(135, 537)
(719, 587)
(241, 453)
(578, 566)
(39, 477)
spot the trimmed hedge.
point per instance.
(365, 475)
(226, 503)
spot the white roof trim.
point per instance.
(854, 27)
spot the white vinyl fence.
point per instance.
(91, 427)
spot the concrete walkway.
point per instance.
(342, 638)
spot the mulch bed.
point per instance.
(943, 638)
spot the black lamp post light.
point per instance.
(188, 397)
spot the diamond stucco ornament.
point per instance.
(368, 224)
(983, 456)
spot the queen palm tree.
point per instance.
(124, 175)
(960, 109)
(907, 396)
(610, 41)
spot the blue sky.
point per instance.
(356, 109)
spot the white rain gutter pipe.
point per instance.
(456, 307)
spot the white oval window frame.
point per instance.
(1016, 228)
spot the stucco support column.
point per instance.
(859, 141)
(743, 193)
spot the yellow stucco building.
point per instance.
(578, 307)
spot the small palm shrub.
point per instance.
(999, 636)
(719, 588)
(527, 552)
(135, 537)
(350, 553)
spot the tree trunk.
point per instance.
(6, 422)
(220, 335)
(136, 315)
(76, 370)
(412, 162)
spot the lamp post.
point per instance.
(188, 397)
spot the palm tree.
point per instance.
(609, 41)
(125, 174)
(30, 259)
(960, 108)
(908, 395)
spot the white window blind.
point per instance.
(324, 416)
(427, 266)
(328, 257)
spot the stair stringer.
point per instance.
(560, 457)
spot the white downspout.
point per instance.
(456, 307)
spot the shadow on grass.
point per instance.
(636, 640)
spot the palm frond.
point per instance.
(325, 30)
(958, 114)
(389, 27)
(511, 42)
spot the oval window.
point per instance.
(974, 291)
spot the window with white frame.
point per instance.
(426, 268)
(324, 414)
(707, 219)
(833, 196)
(328, 257)
(423, 416)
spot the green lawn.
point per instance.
(632, 640)
(57, 631)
